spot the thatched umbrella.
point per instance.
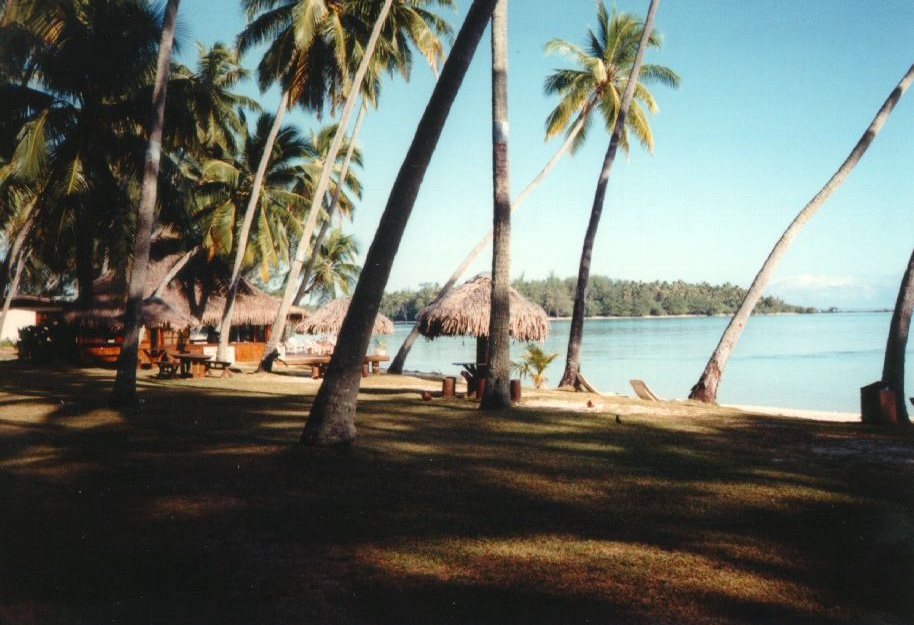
(465, 311)
(328, 319)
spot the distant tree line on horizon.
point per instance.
(607, 297)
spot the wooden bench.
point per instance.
(168, 368)
(220, 365)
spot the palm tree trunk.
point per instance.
(19, 265)
(241, 247)
(497, 395)
(124, 392)
(332, 417)
(334, 203)
(304, 243)
(706, 388)
(175, 269)
(396, 365)
(897, 344)
(576, 333)
(17, 259)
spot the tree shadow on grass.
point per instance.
(201, 508)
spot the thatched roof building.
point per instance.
(465, 312)
(194, 296)
(328, 319)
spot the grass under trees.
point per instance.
(202, 508)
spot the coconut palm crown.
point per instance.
(598, 80)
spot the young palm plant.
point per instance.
(534, 363)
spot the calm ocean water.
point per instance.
(816, 362)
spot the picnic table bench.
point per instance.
(168, 368)
(219, 365)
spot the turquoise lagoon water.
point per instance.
(816, 362)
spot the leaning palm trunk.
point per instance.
(124, 392)
(893, 369)
(17, 259)
(497, 394)
(332, 417)
(245, 233)
(304, 243)
(576, 333)
(18, 266)
(706, 388)
(396, 365)
(334, 203)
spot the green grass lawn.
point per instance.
(202, 508)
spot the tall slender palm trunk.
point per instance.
(304, 243)
(332, 417)
(897, 343)
(17, 255)
(124, 391)
(331, 211)
(576, 334)
(396, 365)
(497, 395)
(225, 324)
(705, 389)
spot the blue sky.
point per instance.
(774, 95)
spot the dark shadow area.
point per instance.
(202, 508)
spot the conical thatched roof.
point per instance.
(328, 319)
(465, 312)
(195, 295)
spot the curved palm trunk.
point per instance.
(705, 389)
(497, 395)
(334, 203)
(124, 392)
(897, 343)
(396, 365)
(243, 236)
(19, 265)
(576, 334)
(304, 243)
(175, 269)
(17, 260)
(332, 417)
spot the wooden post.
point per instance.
(515, 390)
(447, 386)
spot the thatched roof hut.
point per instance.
(108, 313)
(465, 310)
(328, 319)
(194, 296)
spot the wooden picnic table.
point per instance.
(192, 365)
(473, 372)
(370, 364)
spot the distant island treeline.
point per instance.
(607, 297)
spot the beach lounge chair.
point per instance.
(643, 391)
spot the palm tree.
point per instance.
(897, 343)
(351, 154)
(224, 187)
(81, 113)
(336, 270)
(332, 417)
(609, 77)
(204, 110)
(397, 27)
(706, 388)
(124, 391)
(497, 395)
